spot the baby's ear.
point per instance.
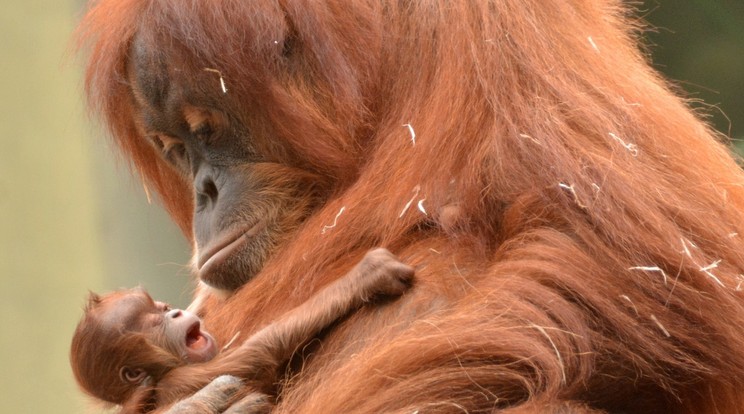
(142, 399)
(132, 375)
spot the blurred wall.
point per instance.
(72, 218)
(700, 44)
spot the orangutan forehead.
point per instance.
(156, 84)
(171, 93)
(148, 74)
(124, 309)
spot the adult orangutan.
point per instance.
(576, 230)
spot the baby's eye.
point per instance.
(162, 306)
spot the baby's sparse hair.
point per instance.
(101, 348)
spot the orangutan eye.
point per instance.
(157, 142)
(203, 131)
(172, 150)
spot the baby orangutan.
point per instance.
(133, 351)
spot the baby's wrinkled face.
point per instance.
(175, 330)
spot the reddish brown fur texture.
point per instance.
(99, 350)
(576, 171)
(111, 336)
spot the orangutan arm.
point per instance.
(258, 358)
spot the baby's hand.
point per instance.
(384, 274)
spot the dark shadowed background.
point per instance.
(73, 219)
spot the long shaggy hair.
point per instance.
(576, 229)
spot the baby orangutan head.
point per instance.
(126, 338)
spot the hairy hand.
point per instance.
(212, 399)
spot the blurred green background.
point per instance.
(73, 219)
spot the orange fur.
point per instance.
(571, 164)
